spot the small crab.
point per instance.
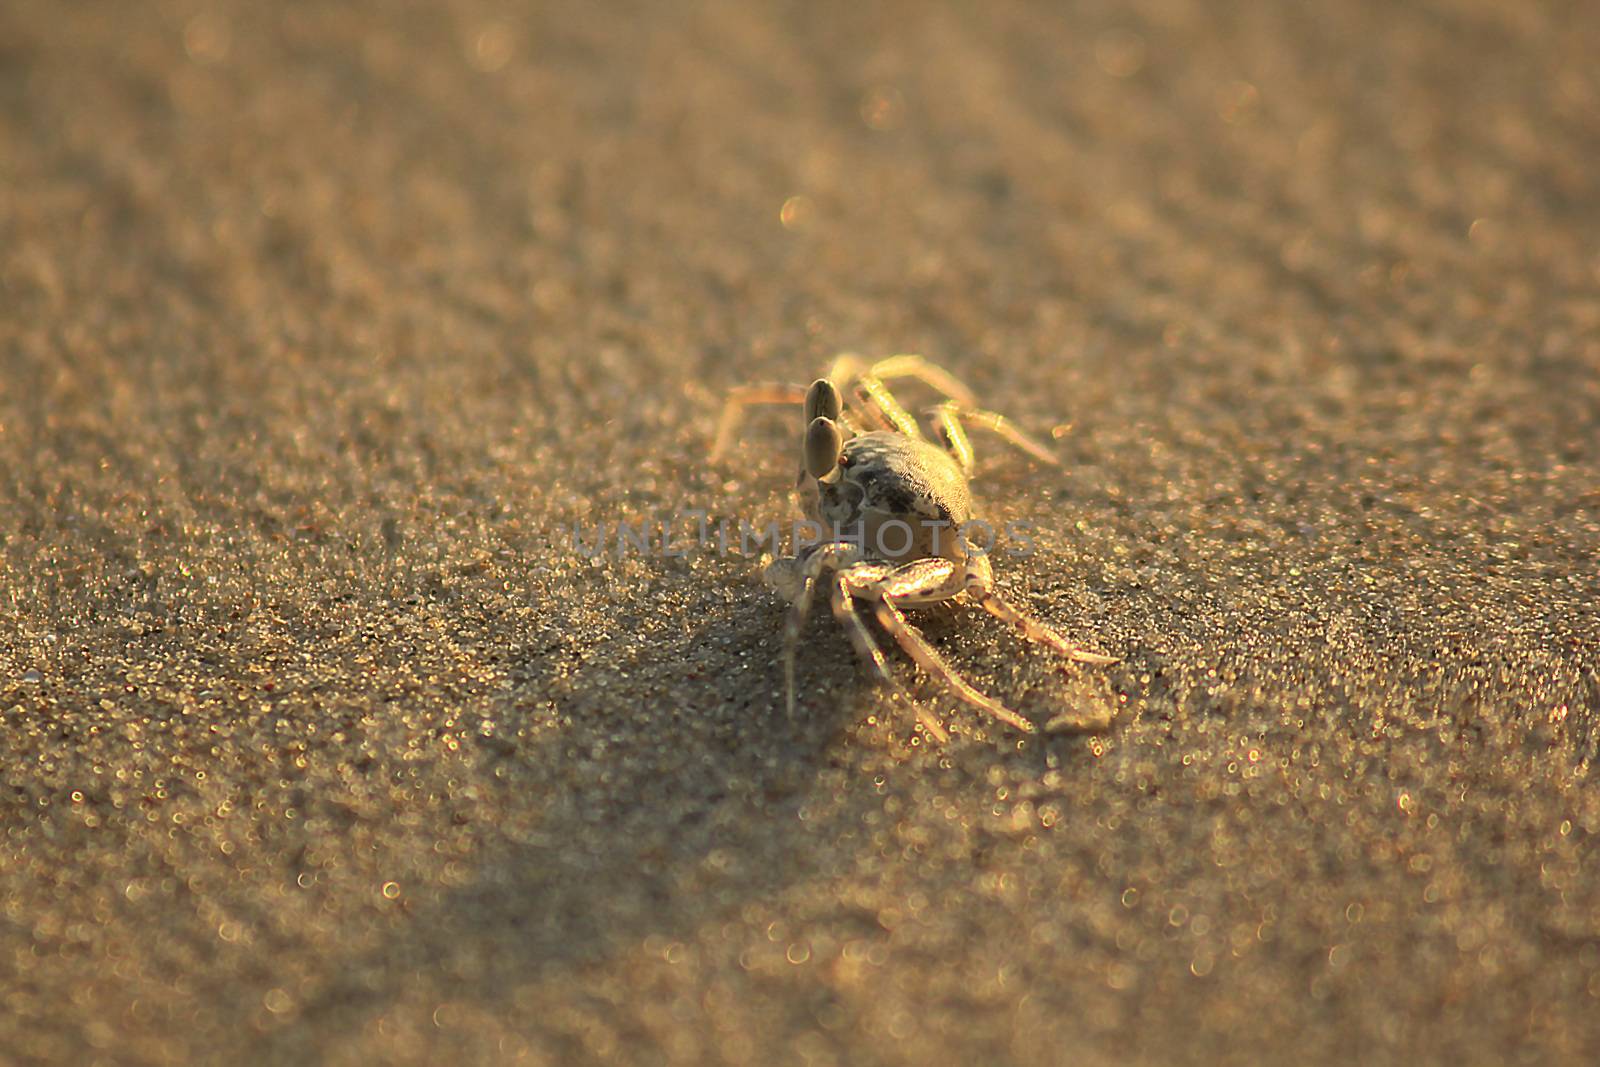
(868, 470)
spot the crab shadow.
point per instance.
(660, 788)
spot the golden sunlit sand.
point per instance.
(324, 326)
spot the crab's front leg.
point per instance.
(924, 581)
(980, 589)
(844, 609)
(796, 580)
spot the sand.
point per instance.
(323, 326)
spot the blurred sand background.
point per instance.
(321, 324)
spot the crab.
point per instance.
(895, 501)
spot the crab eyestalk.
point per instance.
(823, 445)
(823, 400)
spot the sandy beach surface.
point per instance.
(324, 326)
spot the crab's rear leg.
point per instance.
(745, 396)
(952, 435)
(878, 400)
(932, 375)
(997, 424)
(926, 579)
(876, 403)
(849, 367)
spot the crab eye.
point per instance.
(823, 446)
(823, 400)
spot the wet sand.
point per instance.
(322, 326)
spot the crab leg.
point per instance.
(1032, 628)
(823, 557)
(844, 609)
(897, 417)
(908, 584)
(746, 396)
(929, 374)
(1003, 427)
(928, 659)
(953, 435)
